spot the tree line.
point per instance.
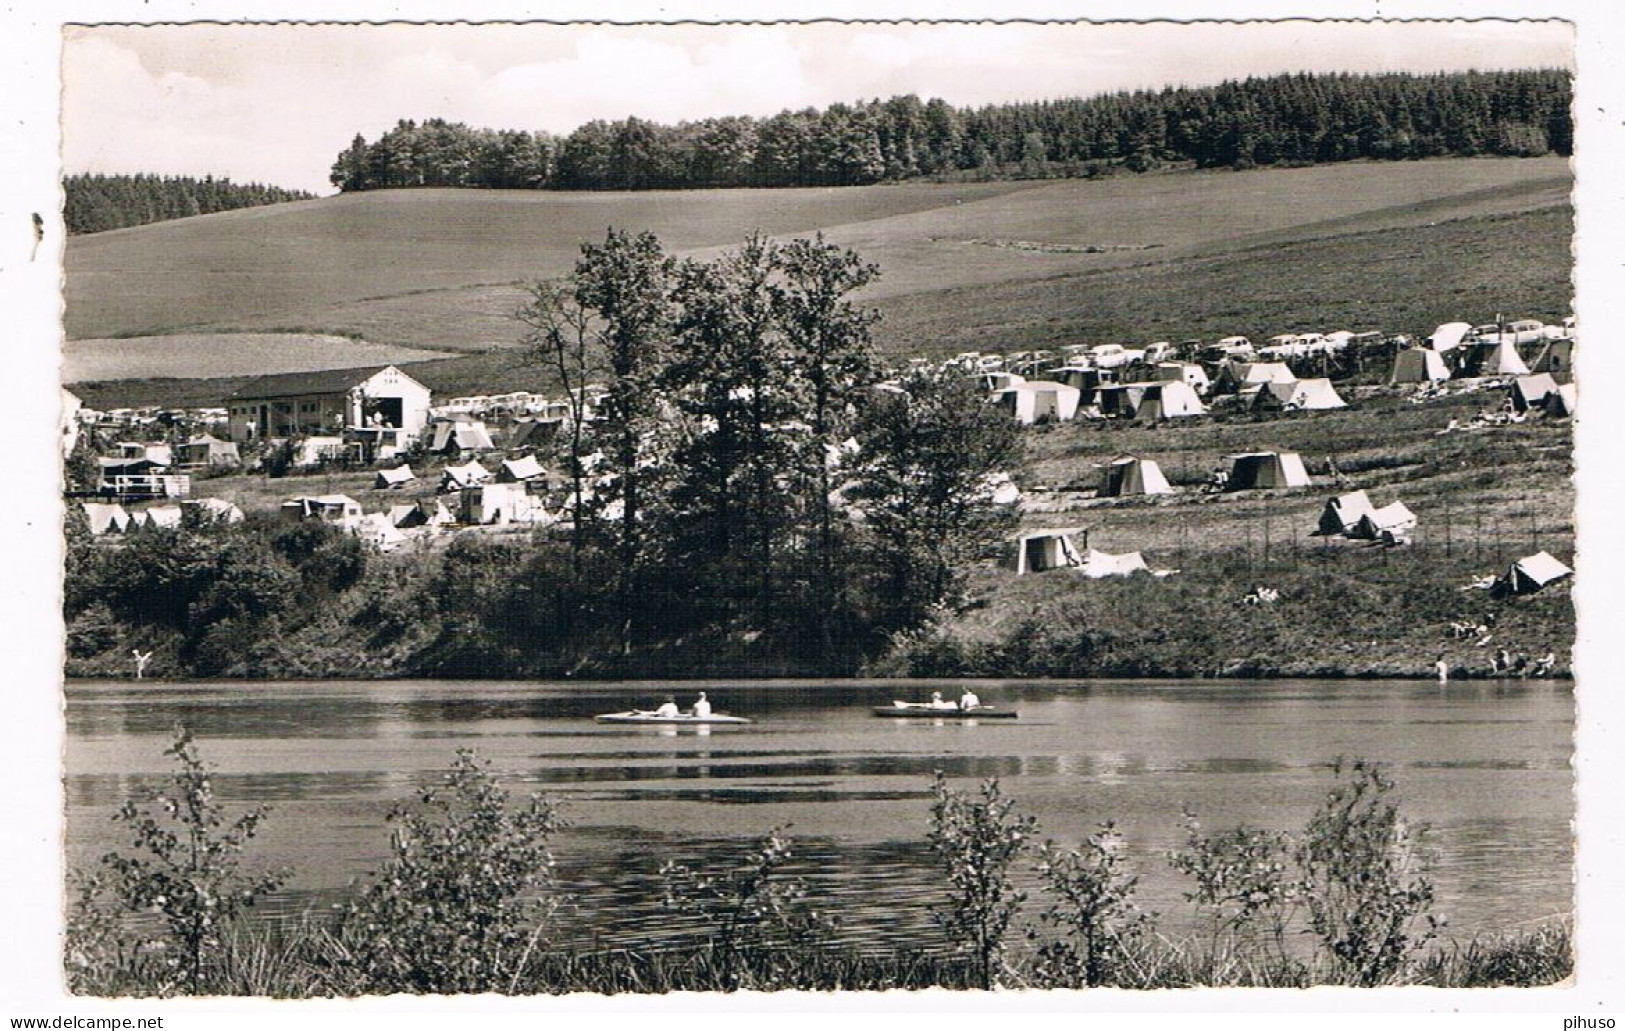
(746, 486)
(97, 203)
(1292, 119)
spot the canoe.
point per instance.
(636, 716)
(924, 710)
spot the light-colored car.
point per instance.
(1518, 331)
(1161, 351)
(1114, 356)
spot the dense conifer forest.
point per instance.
(96, 203)
(1296, 119)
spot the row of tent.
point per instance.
(459, 477)
(111, 517)
(1353, 515)
(1251, 470)
(1041, 550)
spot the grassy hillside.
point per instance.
(436, 268)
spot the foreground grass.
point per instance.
(305, 960)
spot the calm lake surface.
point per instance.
(1486, 765)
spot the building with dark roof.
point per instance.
(381, 402)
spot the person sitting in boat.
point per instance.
(968, 700)
(668, 708)
(702, 707)
(937, 701)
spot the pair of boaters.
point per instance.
(668, 708)
(968, 700)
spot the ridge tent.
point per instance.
(1259, 470)
(1039, 400)
(389, 479)
(499, 503)
(1560, 402)
(1314, 395)
(1448, 336)
(534, 432)
(1130, 475)
(340, 509)
(1099, 564)
(1419, 365)
(458, 477)
(1235, 376)
(1002, 488)
(1530, 574)
(1191, 373)
(518, 470)
(1343, 513)
(105, 518)
(214, 510)
(424, 513)
(158, 517)
(1390, 522)
(1171, 400)
(380, 531)
(1494, 358)
(995, 382)
(1531, 391)
(1046, 549)
(461, 436)
(1120, 400)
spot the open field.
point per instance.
(221, 355)
(438, 269)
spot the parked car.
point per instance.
(1519, 331)
(1161, 351)
(1115, 356)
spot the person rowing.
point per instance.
(702, 707)
(968, 700)
(668, 708)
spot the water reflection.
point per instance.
(1488, 769)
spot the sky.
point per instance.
(276, 103)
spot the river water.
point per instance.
(1485, 765)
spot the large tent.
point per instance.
(1342, 513)
(1419, 365)
(105, 518)
(1530, 574)
(1171, 400)
(1190, 373)
(1448, 336)
(1557, 358)
(1260, 470)
(458, 435)
(1046, 549)
(1130, 475)
(1301, 395)
(518, 470)
(1532, 391)
(1098, 564)
(1039, 401)
(1121, 400)
(1236, 377)
(460, 477)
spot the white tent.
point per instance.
(1258, 470)
(1531, 391)
(1236, 377)
(459, 477)
(1448, 336)
(1342, 513)
(1530, 574)
(1494, 358)
(1130, 475)
(499, 503)
(1390, 522)
(380, 531)
(1046, 549)
(1039, 400)
(214, 510)
(389, 479)
(1314, 395)
(1557, 357)
(1003, 489)
(159, 517)
(1419, 365)
(518, 470)
(1170, 400)
(1561, 402)
(1191, 373)
(461, 436)
(106, 518)
(1098, 564)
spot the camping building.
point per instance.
(1391, 523)
(1419, 365)
(1170, 400)
(384, 400)
(1046, 549)
(1530, 574)
(1039, 401)
(1262, 470)
(1129, 475)
(207, 451)
(1342, 513)
(392, 479)
(1532, 391)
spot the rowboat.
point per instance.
(925, 710)
(680, 720)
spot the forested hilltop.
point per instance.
(1281, 120)
(97, 203)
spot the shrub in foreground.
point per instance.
(976, 840)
